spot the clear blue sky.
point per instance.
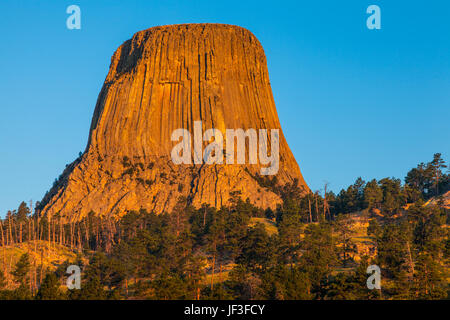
(352, 101)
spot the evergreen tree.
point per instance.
(418, 179)
(257, 252)
(393, 196)
(22, 212)
(91, 289)
(394, 258)
(435, 167)
(22, 270)
(359, 282)
(3, 281)
(286, 283)
(319, 254)
(289, 235)
(374, 229)
(169, 286)
(373, 195)
(245, 284)
(344, 231)
(338, 287)
(49, 289)
(352, 199)
(429, 278)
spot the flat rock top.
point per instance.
(196, 26)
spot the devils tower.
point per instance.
(163, 79)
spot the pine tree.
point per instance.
(374, 229)
(393, 196)
(429, 278)
(3, 281)
(359, 282)
(93, 290)
(22, 270)
(394, 259)
(346, 247)
(289, 235)
(49, 289)
(435, 167)
(319, 254)
(418, 179)
(21, 275)
(245, 284)
(256, 249)
(373, 195)
(286, 283)
(22, 212)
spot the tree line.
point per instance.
(209, 253)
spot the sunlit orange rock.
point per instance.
(163, 79)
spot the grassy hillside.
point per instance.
(43, 256)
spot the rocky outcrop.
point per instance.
(166, 78)
(443, 200)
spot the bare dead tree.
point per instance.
(1, 230)
(325, 203)
(11, 240)
(309, 205)
(316, 196)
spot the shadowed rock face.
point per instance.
(163, 79)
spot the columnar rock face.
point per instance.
(166, 78)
